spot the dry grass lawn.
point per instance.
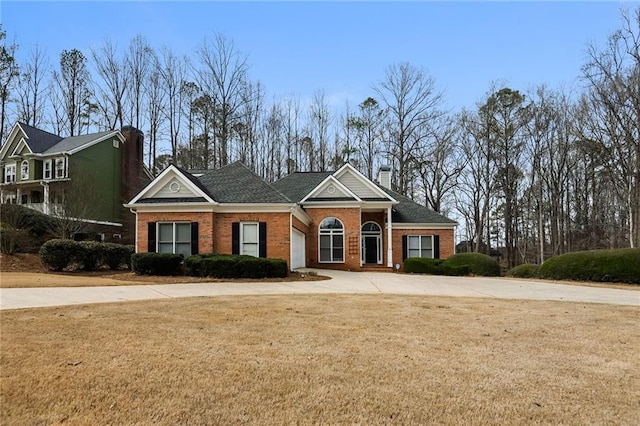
(321, 359)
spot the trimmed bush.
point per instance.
(116, 255)
(527, 270)
(90, 254)
(477, 264)
(620, 265)
(419, 265)
(86, 255)
(59, 254)
(235, 266)
(157, 264)
(455, 270)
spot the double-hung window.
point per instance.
(47, 169)
(420, 246)
(249, 238)
(174, 237)
(10, 173)
(60, 166)
(24, 170)
(331, 241)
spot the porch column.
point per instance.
(18, 196)
(389, 240)
(45, 202)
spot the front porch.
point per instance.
(37, 196)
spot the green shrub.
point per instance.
(620, 265)
(157, 264)
(90, 254)
(14, 240)
(527, 270)
(59, 254)
(116, 255)
(455, 270)
(193, 265)
(235, 266)
(419, 265)
(477, 264)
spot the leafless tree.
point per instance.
(613, 75)
(139, 62)
(173, 72)
(32, 91)
(113, 84)
(9, 71)
(412, 101)
(221, 74)
(319, 120)
(71, 89)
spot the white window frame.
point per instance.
(10, 173)
(24, 170)
(420, 249)
(244, 243)
(174, 242)
(331, 233)
(47, 167)
(62, 161)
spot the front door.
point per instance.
(371, 249)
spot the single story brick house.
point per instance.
(337, 220)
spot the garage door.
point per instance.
(297, 250)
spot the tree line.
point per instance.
(534, 173)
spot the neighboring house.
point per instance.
(339, 220)
(37, 168)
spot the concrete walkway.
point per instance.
(341, 283)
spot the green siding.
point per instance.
(104, 162)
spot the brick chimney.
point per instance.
(384, 176)
(133, 175)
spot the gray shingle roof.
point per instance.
(236, 183)
(297, 185)
(39, 140)
(408, 211)
(68, 144)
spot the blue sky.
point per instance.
(343, 48)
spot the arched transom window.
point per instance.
(331, 240)
(24, 175)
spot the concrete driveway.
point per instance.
(341, 283)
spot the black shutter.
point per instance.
(436, 246)
(194, 237)
(262, 239)
(404, 247)
(151, 237)
(235, 238)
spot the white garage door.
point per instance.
(297, 249)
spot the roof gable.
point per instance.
(172, 184)
(297, 185)
(37, 140)
(357, 183)
(21, 148)
(330, 189)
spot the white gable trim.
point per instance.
(330, 180)
(347, 167)
(171, 172)
(19, 147)
(96, 141)
(12, 135)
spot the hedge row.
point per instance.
(619, 265)
(458, 264)
(86, 255)
(157, 264)
(211, 265)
